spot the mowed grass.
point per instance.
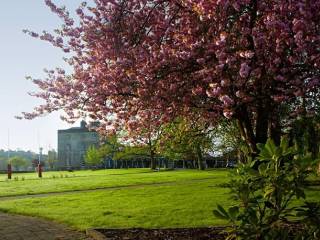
(182, 199)
(185, 205)
(28, 183)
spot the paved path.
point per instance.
(15, 227)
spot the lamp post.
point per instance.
(9, 167)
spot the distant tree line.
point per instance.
(25, 160)
(187, 143)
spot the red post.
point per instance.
(39, 170)
(9, 171)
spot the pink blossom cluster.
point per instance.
(143, 62)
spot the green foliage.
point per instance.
(93, 156)
(305, 133)
(184, 139)
(132, 152)
(266, 193)
(310, 218)
(119, 151)
(28, 155)
(227, 138)
(18, 162)
(111, 147)
(116, 150)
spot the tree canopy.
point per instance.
(93, 156)
(239, 59)
(18, 162)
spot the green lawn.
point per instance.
(161, 206)
(184, 199)
(83, 180)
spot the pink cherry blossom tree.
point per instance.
(239, 59)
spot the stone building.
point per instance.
(73, 144)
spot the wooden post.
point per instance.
(39, 171)
(9, 171)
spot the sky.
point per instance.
(20, 56)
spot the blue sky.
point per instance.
(20, 56)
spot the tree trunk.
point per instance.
(248, 138)
(262, 121)
(152, 160)
(200, 158)
(274, 129)
(313, 147)
(266, 125)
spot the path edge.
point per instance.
(95, 234)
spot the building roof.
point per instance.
(81, 129)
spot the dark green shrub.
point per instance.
(309, 215)
(265, 194)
